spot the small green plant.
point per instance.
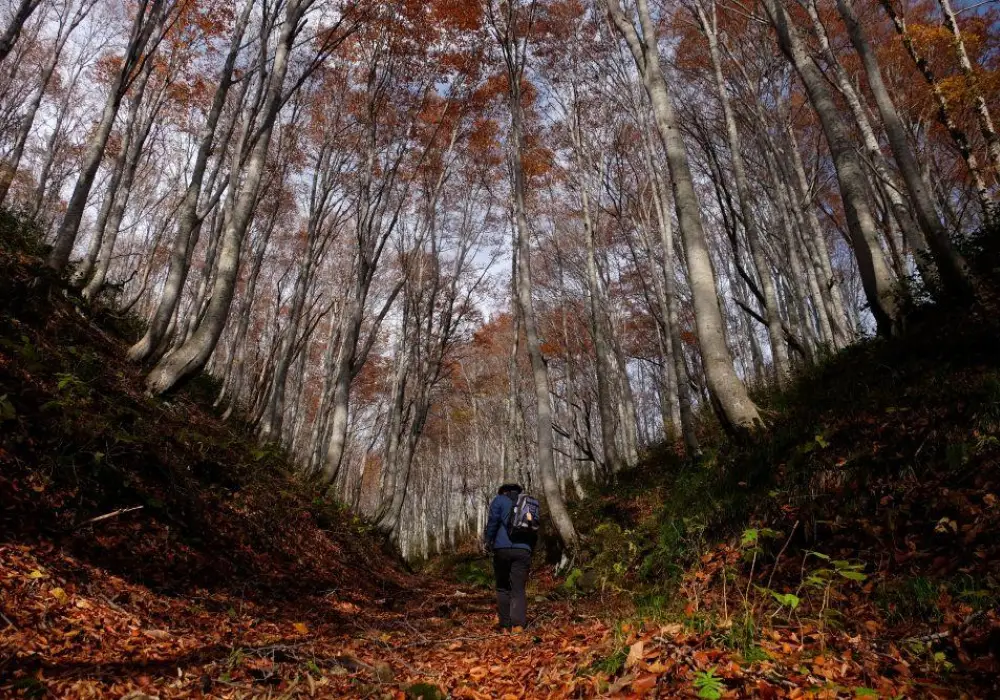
(787, 600)
(611, 664)
(913, 598)
(709, 685)
(827, 576)
(474, 573)
(7, 411)
(236, 659)
(755, 654)
(742, 633)
(573, 579)
(937, 660)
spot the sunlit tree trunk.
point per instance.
(804, 210)
(25, 8)
(139, 133)
(949, 263)
(506, 25)
(149, 18)
(65, 26)
(779, 347)
(234, 363)
(944, 112)
(596, 306)
(736, 411)
(189, 221)
(194, 353)
(875, 274)
(972, 82)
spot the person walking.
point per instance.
(511, 546)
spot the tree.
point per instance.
(736, 411)
(510, 24)
(188, 216)
(949, 263)
(875, 274)
(22, 12)
(257, 130)
(70, 14)
(151, 21)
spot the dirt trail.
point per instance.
(72, 630)
(75, 631)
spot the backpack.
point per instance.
(525, 516)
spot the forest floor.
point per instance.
(150, 550)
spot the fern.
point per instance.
(709, 685)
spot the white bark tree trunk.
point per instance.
(192, 355)
(875, 274)
(950, 265)
(149, 16)
(736, 411)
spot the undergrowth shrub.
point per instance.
(18, 234)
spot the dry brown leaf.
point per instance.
(634, 654)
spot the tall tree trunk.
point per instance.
(8, 173)
(52, 148)
(602, 351)
(86, 265)
(194, 353)
(189, 221)
(139, 132)
(233, 365)
(779, 348)
(342, 393)
(25, 9)
(539, 369)
(736, 411)
(667, 293)
(271, 419)
(805, 212)
(149, 15)
(949, 262)
(875, 274)
(944, 114)
(972, 82)
(886, 182)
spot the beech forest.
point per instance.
(290, 288)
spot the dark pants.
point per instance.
(511, 568)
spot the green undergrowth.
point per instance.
(885, 457)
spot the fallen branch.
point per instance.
(108, 516)
(938, 636)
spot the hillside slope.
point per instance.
(865, 518)
(123, 516)
(149, 550)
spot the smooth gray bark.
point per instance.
(12, 31)
(149, 18)
(779, 348)
(736, 411)
(195, 351)
(188, 217)
(875, 274)
(949, 262)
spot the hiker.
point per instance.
(511, 535)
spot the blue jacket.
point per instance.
(496, 535)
